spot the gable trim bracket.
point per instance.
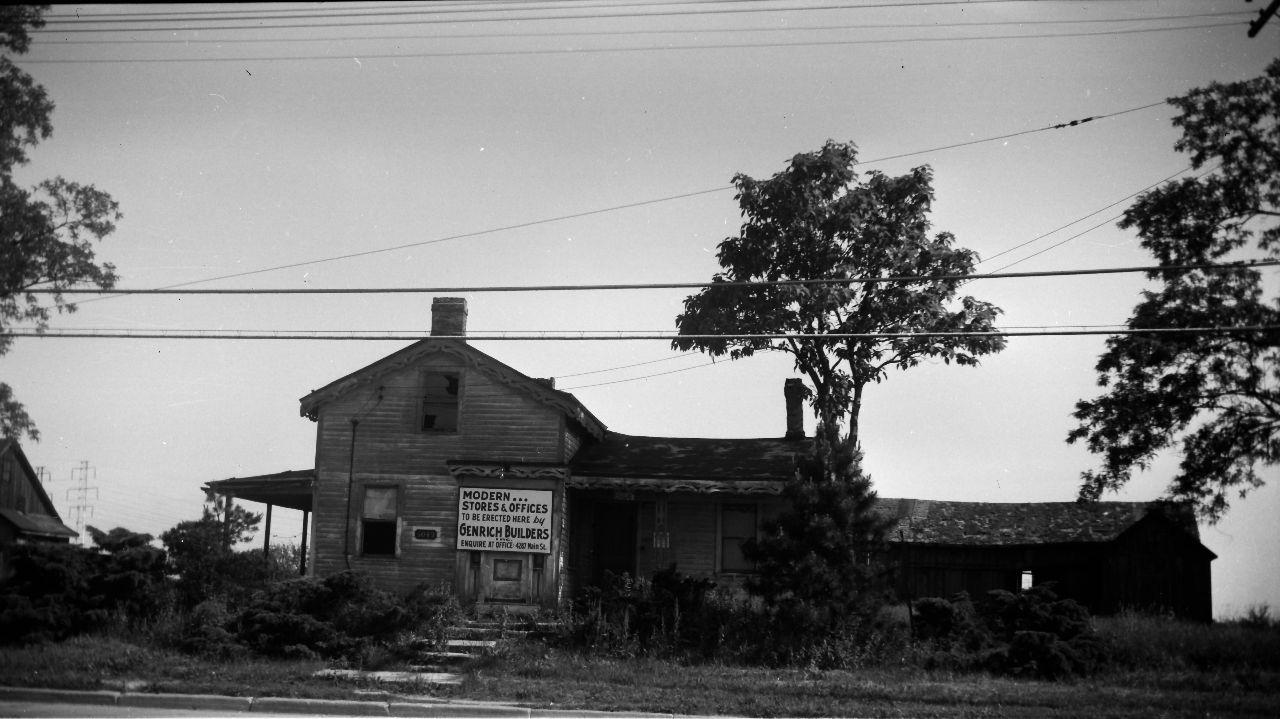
(506, 470)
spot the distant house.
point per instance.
(26, 513)
(438, 464)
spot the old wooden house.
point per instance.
(26, 512)
(440, 465)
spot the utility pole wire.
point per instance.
(667, 337)
(630, 205)
(616, 49)
(660, 285)
(277, 40)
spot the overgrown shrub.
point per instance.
(47, 596)
(338, 616)
(205, 565)
(59, 590)
(1027, 633)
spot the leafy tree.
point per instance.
(816, 220)
(46, 232)
(1217, 396)
(118, 539)
(201, 555)
(818, 562)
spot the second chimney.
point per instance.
(793, 389)
(449, 317)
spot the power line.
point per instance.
(178, 14)
(1207, 267)
(584, 337)
(1080, 219)
(635, 379)
(632, 205)
(616, 33)
(753, 8)
(1100, 224)
(598, 50)
(682, 355)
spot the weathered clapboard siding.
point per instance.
(16, 490)
(497, 422)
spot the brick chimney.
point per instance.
(794, 391)
(449, 317)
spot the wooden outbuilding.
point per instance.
(438, 465)
(26, 512)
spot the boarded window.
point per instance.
(440, 402)
(378, 522)
(737, 525)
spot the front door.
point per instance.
(505, 577)
(614, 542)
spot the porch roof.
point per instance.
(292, 488)
(37, 526)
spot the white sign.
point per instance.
(504, 520)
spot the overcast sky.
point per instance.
(513, 144)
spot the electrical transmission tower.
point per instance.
(79, 495)
(43, 475)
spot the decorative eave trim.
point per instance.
(472, 358)
(491, 470)
(669, 486)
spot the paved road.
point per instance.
(39, 709)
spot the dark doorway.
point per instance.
(614, 541)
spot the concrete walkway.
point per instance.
(287, 705)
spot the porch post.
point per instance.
(302, 556)
(226, 521)
(266, 538)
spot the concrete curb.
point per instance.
(213, 702)
(58, 696)
(348, 707)
(412, 709)
(289, 705)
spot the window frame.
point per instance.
(396, 522)
(721, 538)
(424, 401)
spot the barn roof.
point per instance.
(624, 455)
(990, 523)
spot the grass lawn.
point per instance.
(536, 676)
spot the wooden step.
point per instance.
(476, 644)
(392, 677)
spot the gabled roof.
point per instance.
(10, 446)
(624, 455)
(46, 525)
(926, 521)
(539, 390)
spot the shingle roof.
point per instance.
(989, 523)
(624, 455)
